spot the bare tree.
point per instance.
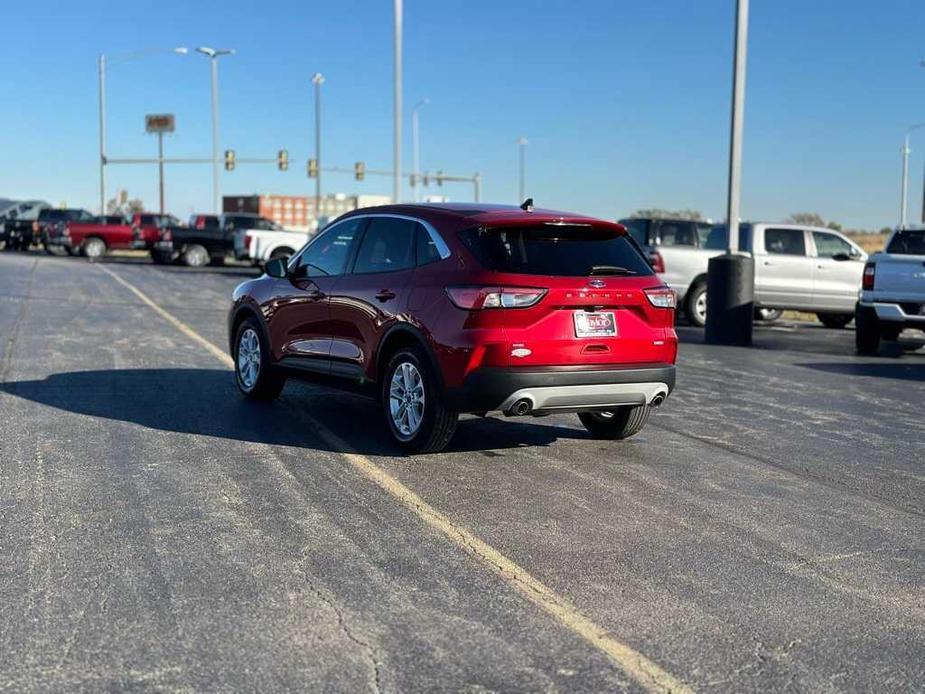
(658, 213)
(812, 219)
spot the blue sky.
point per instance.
(625, 104)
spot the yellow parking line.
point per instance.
(647, 673)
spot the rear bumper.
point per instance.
(562, 388)
(908, 313)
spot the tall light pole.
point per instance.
(101, 67)
(904, 193)
(396, 147)
(416, 142)
(213, 54)
(318, 80)
(731, 277)
(523, 142)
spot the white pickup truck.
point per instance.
(261, 245)
(892, 296)
(796, 267)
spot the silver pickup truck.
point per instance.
(796, 267)
(892, 296)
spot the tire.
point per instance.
(836, 321)
(161, 257)
(619, 424)
(695, 305)
(768, 315)
(867, 330)
(413, 404)
(195, 256)
(890, 333)
(93, 248)
(254, 374)
(281, 253)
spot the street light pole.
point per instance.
(731, 277)
(904, 192)
(396, 179)
(318, 80)
(523, 142)
(102, 90)
(213, 54)
(416, 143)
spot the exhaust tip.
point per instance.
(520, 408)
(657, 400)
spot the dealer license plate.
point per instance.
(595, 324)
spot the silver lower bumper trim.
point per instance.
(587, 396)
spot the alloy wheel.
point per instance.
(248, 358)
(406, 399)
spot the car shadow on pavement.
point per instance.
(206, 402)
(904, 371)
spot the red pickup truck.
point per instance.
(111, 232)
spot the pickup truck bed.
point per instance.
(892, 295)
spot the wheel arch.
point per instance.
(404, 335)
(241, 313)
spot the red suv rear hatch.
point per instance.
(569, 294)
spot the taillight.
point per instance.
(657, 261)
(477, 298)
(248, 239)
(867, 280)
(661, 297)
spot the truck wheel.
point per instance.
(413, 404)
(256, 377)
(94, 248)
(618, 424)
(890, 333)
(195, 256)
(768, 315)
(836, 321)
(695, 305)
(867, 330)
(281, 253)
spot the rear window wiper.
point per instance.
(610, 270)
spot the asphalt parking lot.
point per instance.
(157, 532)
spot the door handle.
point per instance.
(385, 295)
(768, 262)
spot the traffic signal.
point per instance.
(313, 168)
(426, 179)
(439, 178)
(359, 171)
(229, 160)
(282, 160)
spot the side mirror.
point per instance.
(277, 268)
(841, 256)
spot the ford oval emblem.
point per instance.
(597, 284)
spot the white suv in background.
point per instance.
(263, 240)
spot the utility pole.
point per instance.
(160, 169)
(318, 80)
(731, 277)
(396, 167)
(213, 54)
(523, 142)
(102, 95)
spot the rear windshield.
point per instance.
(563, 250)
(908, 242)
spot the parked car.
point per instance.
(207, 238)
(892, 296)
(796, 267)
(441, 309)
(99, 235)
(16, 222)
(50, 222)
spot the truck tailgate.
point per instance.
(900, 277)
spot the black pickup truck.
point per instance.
(207, 239)
(17, 222)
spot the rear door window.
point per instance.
(785, 241)
(564, 250)
(387, 246)
(908, 242)
(426, 248)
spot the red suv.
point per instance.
(441, 309)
